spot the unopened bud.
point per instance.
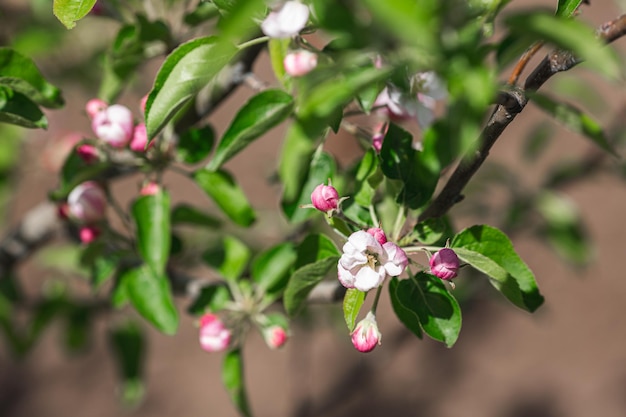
(140, 138)
(95, 106)
(378, 234)
(214, 335)
(366, 336)
(150, 188)
(444, 264)
(88, 234)
(88, 153)
(325, 198)
(114, 125)
(299, 63)
(87, 202)
(275, 336)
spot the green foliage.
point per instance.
(70, 11)
(232, 376)
(352, 303)
(151, 214)
(221, 187)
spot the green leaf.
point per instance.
(20, 74)
(278, 49)
(17, 109)
(184, 73)
(575, 120)
(195, 144)
(424, 299)
(212, 297)
(409, 317)
(233, 379)
(204, 12)
(566, 8)
(261, 113)
(352, 303)
(368, 177)
(270, 269)
(230, 259)
(128, 345)
(490, 251)
(150, 293)
(152, 217)
(186, 214)
(79, 324)
(570, 35)
(317, 255)
(434, 231)
(221, 187)
(295, 160)
(101, 260)
(75, 171)
(70, 11)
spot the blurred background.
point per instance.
(567, 359)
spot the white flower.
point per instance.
(365, 263)
(287, 21)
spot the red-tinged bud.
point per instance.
(88, 153)
(114, 125)
(378, 234)
(63, 211)
(214, 335)
(366, 336)
(88, 234)
(325, 198)
(150, 188)
(140, 138)
(87, 202)
(444, 264)
(300, 63)
(275, 336)
(95, 106)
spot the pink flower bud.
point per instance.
(275, 336)
(87, 202)
(95, 106)
(378, 234)
(366, 336)
(214, 335)
(63, 211)
(114, 125)
(380, 130)
(300, 63)
(444, 264)
(140, 138)
(88, 234)
(88, 153)
(325, 198)
(150, 188)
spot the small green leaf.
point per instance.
(566, 8)
(186, 214)
(204, 12)
(575, 120)
(295, 161)
(278, 49)
(270, 269)
(17, 109)
(315, 247)
(230, 259)
(195, 144)
(150, 293)
(352, 303)
(152, 217)
(434, 231)
(184, 73)
(221, 187)
(233, 379)
(257, 116)
(129, 347)
(70, 11)
(490, 251)
(19, 73)
(424, 299)
(211, 298)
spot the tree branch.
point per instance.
(510, 105)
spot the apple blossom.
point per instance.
(365, 263)
(87, 153)
(114, 125)
(444, 264)
(325, 198)
(299, 63)
(214, 335)
(366, 335)
(379, 234)
(95, 106)
(140, 138)
(275, 336)
(287, 21)
(87, 202)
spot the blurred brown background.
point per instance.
(568, 359)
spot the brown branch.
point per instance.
(505, 112)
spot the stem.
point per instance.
(375, 221)
(253, 42)
(376, 298)
(397, 227)
(523, 61)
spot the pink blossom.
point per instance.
(378, 234)
(365, 263)
(275, 336)
(88, 153)
(214, 335)
(444, 264)
(88, 234)
(95, 106)
(150, 188)
(299, 63)
(325, 198)
(366, 335)
(287, 21)
(140, 138)
(114, 125)
(87, 202)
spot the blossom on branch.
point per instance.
(444, 264)
(287, 21)
(87, 202)
(114, 125)
(366, 335)
(214, 335)
(365, 263)
(299, 63)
